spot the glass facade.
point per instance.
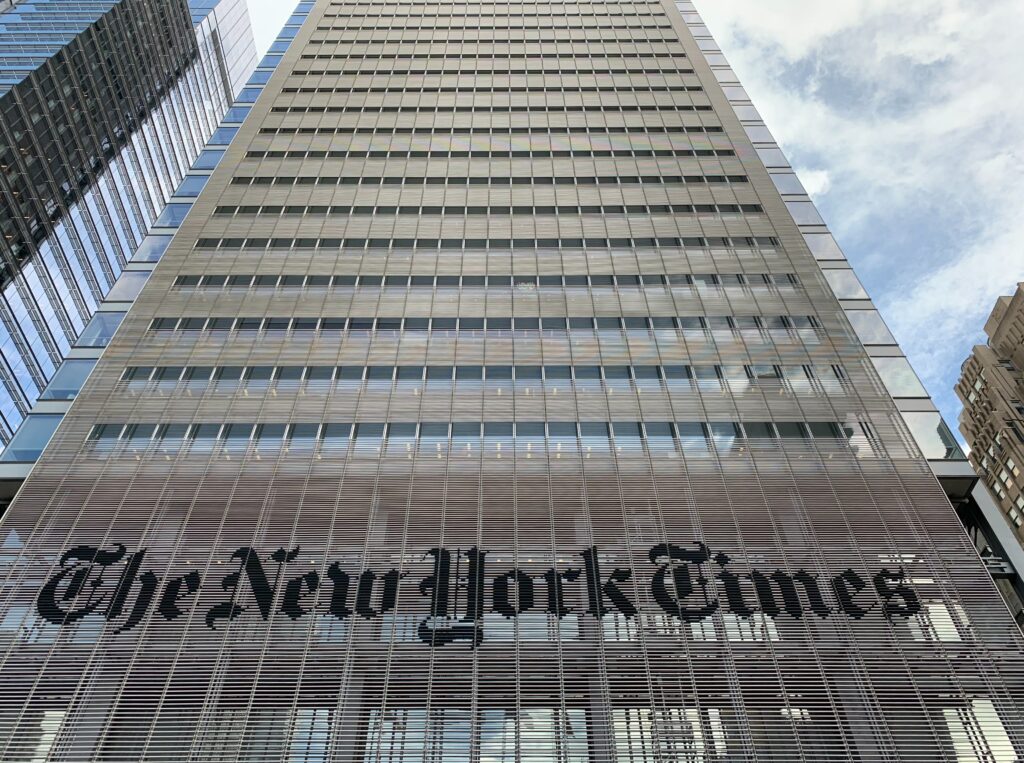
(91, 148)
(491, 404)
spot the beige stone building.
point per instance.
(992, 390)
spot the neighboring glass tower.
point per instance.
(501, 398)
(104, 106)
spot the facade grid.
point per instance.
(523, 483)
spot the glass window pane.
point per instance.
(804, 213)
(772, 157)
(870, 327)
(237, 113)
(747, 113)
(68, 380)
(28, 442)
(899, 378)
(208, 159)
(249, 95)
(191, 185)
(128, 285)
(933, 436)
(759, 134)
(100, 330)
(823, 246)
(223, 135)
(845, 284)
(173, 215)
(152, 248)
(787, 182)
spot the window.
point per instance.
(128, 286)
(100, 330)
(208, 159)
(804, 213)
(32, 437)
(869, 327)
(152, 248)
(237, 113)
(787, 182)
(933, 436)
(845, 284)
(772, 157)
(191, 185)
(249, 95)
(223, 135)
(823, 246)
(68, 380)
(899, 378)
(173, 215)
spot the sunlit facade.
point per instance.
(502, 397)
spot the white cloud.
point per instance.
(910, 117)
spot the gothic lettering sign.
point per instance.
(687, 583)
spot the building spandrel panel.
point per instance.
(408, 451)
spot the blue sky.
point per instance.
(906, 124)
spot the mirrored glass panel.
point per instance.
(899, 378)
(152, 248)
(869, 327)
(128, 285)
(33, 435)
(68, 380)
(772, 157)
(208, 159)
(804, 213)
(823, 246)
(788, 183)
(933, 436)
(845, 284)
(100, 330)
(191, 185)
(173, 215)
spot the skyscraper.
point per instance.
(502, 398)
(992, 420)
(105, 105)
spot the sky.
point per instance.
(268, 16)
(905, 122)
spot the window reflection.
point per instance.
(173, 215)
(933, 436)
(68, 380)
(152, 248)
(899, 378)
(32, 437)
(845, 284)
(208, 159)
(128, 285)
(191, 185)
(100, 330)
(869, 327)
